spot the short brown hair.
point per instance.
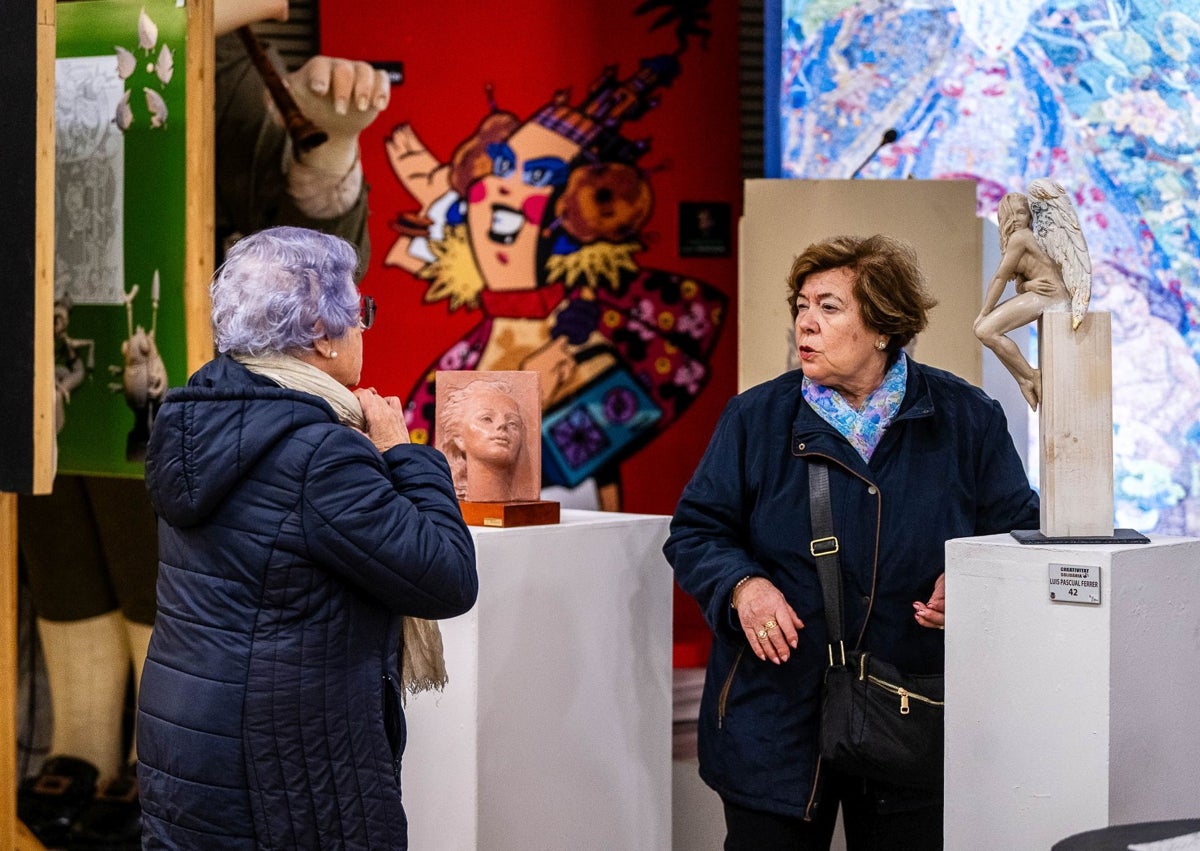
(888, 282)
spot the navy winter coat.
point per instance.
(945, 468)
(289, 548)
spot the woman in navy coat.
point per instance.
(298, 528)
(916, 456)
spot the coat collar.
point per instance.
(811, 435)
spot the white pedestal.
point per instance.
(555, 728)
(1065, 717)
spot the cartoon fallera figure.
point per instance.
(1044, 252)
(536, 224)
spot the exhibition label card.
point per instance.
(1075, 583)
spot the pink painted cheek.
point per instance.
(534, 207)
(476, 192)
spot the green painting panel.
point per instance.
(120, 221)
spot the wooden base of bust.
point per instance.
(532, 512)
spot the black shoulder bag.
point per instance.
(876, 722)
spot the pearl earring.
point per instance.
(881, 344)
(332, 353)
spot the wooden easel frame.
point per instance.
(199, 264)
(12, 833)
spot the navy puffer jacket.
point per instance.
(289, 548)
(945, 468)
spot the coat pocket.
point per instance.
(723, 699)
(393, 723)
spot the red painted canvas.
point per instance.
(526, 186)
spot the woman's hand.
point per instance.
(932, 614)
(341, 96)
(385, 418)
(769, 622)
(1046, 288)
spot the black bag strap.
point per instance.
(824, 548)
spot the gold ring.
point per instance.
(770, 625)
(762, 634)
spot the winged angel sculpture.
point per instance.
(1044, 253)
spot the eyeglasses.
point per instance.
(366, 313)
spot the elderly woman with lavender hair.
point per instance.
(300, 535)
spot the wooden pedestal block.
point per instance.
(1075, 422)
(533, 512)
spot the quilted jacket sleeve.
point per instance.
(708, 532)
(1006, 501)
(391, 527)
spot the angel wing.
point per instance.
(1057, 230)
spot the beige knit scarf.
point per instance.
(423, 665)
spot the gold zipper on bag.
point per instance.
(900, 691)
(904, 694)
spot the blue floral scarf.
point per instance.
(863, 428)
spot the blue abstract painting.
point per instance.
(1102, 96)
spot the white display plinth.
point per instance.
(555, 728)
(1065, 717)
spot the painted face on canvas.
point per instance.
(507, 208)
(835, 346)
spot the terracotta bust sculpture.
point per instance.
(482, 432)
